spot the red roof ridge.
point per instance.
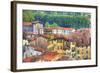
(27, 23)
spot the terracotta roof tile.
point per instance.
(27, 23)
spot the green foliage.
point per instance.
(47, 24)
(28, 16)
(65, 19)
(50, 25)
(54, 25)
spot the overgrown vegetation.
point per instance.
(55, 18)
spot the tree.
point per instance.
(51, 25)
(75, 20)
(54, 25)
(47, 24)
(28, 16)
